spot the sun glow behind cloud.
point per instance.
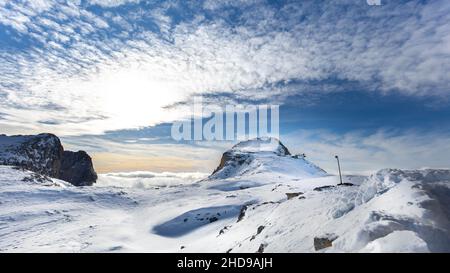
(81, 70)
(133, 97)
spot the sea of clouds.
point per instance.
(146, 179)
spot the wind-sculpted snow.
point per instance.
(275, 203)
(233, 185)
(194, 219)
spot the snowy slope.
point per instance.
(276, 203)
(263, 160)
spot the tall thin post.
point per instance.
(339, 167)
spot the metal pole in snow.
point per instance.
(339, 167)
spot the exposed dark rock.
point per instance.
(324, 241)
(261, 248)
(232, 160)
(35, 177)
(267, 203)
(77, 168)
(333, 186)
(255, 206)
(323, 188)
(258, 231)
(115, 248)
(44, 155)
(225, 158)
(291, 195)
(222, 231)
(298, 156)
(242, 213)
(40, 153)
(276, 187)
(213, 219)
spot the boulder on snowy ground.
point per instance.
(45, 155)
(291, 195)
(77, 168)
(324, 241)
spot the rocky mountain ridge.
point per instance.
(44, 154)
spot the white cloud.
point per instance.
(148, 179)
(98, 144)
(106, 82)
(365, 153)
(359, 152)
(218, 4)
(111, 3)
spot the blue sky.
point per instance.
(109, 76)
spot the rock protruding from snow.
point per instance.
(77, 168)
(325, 241)
(45, 155)
(263, 155)
(38, 153)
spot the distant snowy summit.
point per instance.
(263, 156)
(260, 145)
(45, 155)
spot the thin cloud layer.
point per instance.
(149, 179)
(80, 67)
(364, 153)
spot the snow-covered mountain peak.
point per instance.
(264, 156)
(261, 144)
